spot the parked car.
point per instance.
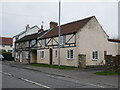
(1, 58)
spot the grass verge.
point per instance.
(52, 66)
(106, 73)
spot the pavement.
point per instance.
(86, 75)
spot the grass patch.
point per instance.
(106, 73)
(52, 66)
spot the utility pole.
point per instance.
(59, 36)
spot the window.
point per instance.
(41, 54)
(27, 44)
(27, 54)
(16, 55)
(17, 45)
(43, 42)
(33, 42)
(95, 55)
(62, 39)
(3, 45)
(69, 54)
(56, 53)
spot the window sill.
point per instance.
(94, 59)
(42, 58)
(69, 58)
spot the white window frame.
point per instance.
(43, 42)
(16, 55)
(27, 55)
(97, 55)
(27, 43)
(42, 56)
(33, 42)
(69, 54)
(62, 39)
(56, 53)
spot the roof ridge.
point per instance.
(78, 20)
(6, 37)
(68, 28)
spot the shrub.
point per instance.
(7, 55)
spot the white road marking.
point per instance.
(95, 85)
(54, 76)
(36, 83)
(44, 86)
(77, 81)
(6, 73)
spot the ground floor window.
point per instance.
(16, 55)
(95, 55)
(41, 54)
(27, 54)
(56, 53)
(69, 54)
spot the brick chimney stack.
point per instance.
(53, 24)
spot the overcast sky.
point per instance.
(16, 15)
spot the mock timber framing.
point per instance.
(49, 42)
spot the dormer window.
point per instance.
(62, 39)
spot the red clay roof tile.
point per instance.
(6, 41)
(68, 28)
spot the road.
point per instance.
(13, 77)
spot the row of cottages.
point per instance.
(28, 30)
(82, 43)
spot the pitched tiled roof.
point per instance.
(68, 28)
(6, 41)
(30, 37)
(25, 31)
(114, 40)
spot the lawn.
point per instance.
(52, 66)
(106, 73)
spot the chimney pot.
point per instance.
(41, 30)
(27, 27)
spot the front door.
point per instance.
(50, 56)
(20, 56)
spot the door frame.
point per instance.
(51, 55)
(21, 57)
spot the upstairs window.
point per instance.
(27, 44)
(27, 54)
(16, 45)
(69, 54)
(95, 55)
(33, 42)
(62, 39)
(41, 54)
(43, 42)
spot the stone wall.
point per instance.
(113, 63)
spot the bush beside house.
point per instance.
(7, 55)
